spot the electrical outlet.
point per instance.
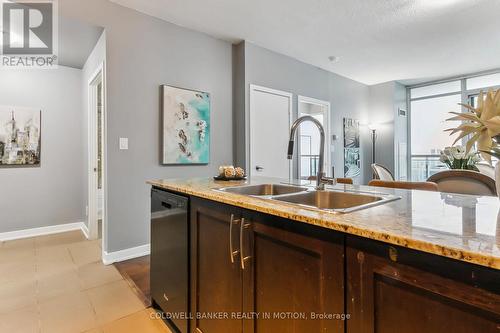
(123, 143)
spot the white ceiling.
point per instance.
(376, 40)
(76, 42)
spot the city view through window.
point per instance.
(430, 106)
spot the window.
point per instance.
(429, 108)
(482, 82)
(428, 122)
(436, 89)
(310, 137)
(309, 146)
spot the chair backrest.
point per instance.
(381, 172)
(347, 181)
(425, 186)
(486, 169)
(464, 182)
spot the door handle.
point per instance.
(243, 226)
(232, 252)
(259, 168)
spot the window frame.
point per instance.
(466, 95)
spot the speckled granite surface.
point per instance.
(461, 227)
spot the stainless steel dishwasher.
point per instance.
(170, 256)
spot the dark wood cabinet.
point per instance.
(276, 278)
(388, 292)
(291, 279)
(216, 287)
(256, 273)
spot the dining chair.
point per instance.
(425, 186)
(464, 182)
(347, 181)
(382, 173)
(486, 169)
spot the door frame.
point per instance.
(254, 89)
(327, 127)
(99, 76)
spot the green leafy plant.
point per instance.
(480, 124)
(458, 158)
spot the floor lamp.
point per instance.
(373, 129)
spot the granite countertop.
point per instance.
(460, 227)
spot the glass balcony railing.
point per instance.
(308, 166)
(424, 166)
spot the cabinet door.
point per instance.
(216, 282)
(288, 276)
(387, 296)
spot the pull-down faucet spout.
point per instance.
(319, 184)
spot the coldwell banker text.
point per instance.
(29, 34)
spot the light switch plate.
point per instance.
(123, 143)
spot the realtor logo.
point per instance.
(29, 33)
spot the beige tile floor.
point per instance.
(57, 283)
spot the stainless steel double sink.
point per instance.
(328, 200)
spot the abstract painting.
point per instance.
(352, 153)
(186, 126)
(20, 136)
(352, 162)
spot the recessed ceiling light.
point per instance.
(334, 59)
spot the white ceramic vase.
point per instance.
(497, 177)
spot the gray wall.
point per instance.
(381, 108)
(385, 101)
(400, 127)
(143, 53)
(348, 98)
(239, 102)
(53, 193)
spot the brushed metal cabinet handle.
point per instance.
(232, 252)
(243, 226)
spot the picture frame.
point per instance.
(20, 137)
(185, 126)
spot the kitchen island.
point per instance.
(427, 262)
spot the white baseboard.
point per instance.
(34, 232)
(85, 230)
(109, 258)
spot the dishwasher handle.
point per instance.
(166, 205)
(169, 200)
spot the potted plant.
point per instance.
(482, 126)
(458, 158)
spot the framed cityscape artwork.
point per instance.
(185, 126)
(20, 136)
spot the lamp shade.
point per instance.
(373, 127)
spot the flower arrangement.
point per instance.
(458, 158)
(482, 124)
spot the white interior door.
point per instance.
(96, 146)
(270, 121)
